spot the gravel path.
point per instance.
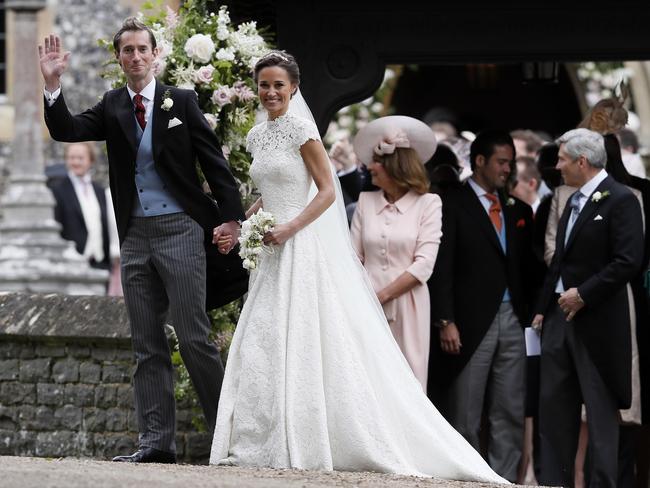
(21, 472)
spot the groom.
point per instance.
(154, 134)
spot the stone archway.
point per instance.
(343, 46)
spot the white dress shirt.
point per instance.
(148, 93)
(92, 215)
(585, 190)
(480, 193)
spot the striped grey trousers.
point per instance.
(163, 276)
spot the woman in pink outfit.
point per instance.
(396, 230)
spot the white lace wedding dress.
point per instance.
(314, 378)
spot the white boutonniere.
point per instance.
(510, 202)
(167, 103)
(598, 196)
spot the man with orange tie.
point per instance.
(481, 294)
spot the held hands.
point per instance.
(225, 236)
(450, 339)
(280, 234)
(570, 302)
(53, 61)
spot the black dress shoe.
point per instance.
(147, 455)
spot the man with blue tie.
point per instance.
(584, 316)
(480, 297)
(154, 136)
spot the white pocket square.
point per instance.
(173, 123)
(598, 217)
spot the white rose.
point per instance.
(212, 120)
(167, 103)
(200, 48)
(249, 264)
(225, 54)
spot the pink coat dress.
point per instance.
(389, 240)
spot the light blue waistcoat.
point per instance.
(152, 197)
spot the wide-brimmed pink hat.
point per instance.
(384, 135)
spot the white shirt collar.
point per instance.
(588, 188)
(148, 92)
(79, 179)
(478, 189)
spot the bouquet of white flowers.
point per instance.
(250, 239)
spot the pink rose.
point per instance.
(204, 74)
(222, 96)
(159, 66)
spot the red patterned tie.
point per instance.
(495, 211)
(139, 111)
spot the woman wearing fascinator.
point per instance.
(396, 230)
(314, 378)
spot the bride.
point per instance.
(314, 379)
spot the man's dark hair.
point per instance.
(628, 140)
(281, 59)
(485, 143)
(132, 24)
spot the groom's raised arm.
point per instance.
(62, 125)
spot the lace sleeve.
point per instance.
(304, 130)
(250, 141)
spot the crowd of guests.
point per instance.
(512, 270)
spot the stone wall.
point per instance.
(65, 380)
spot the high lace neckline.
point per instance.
(278, 119)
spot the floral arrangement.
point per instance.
(203, 51)
(601, 79)
(250, 239)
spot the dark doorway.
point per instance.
(486, 96)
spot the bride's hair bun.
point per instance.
(281, 59)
